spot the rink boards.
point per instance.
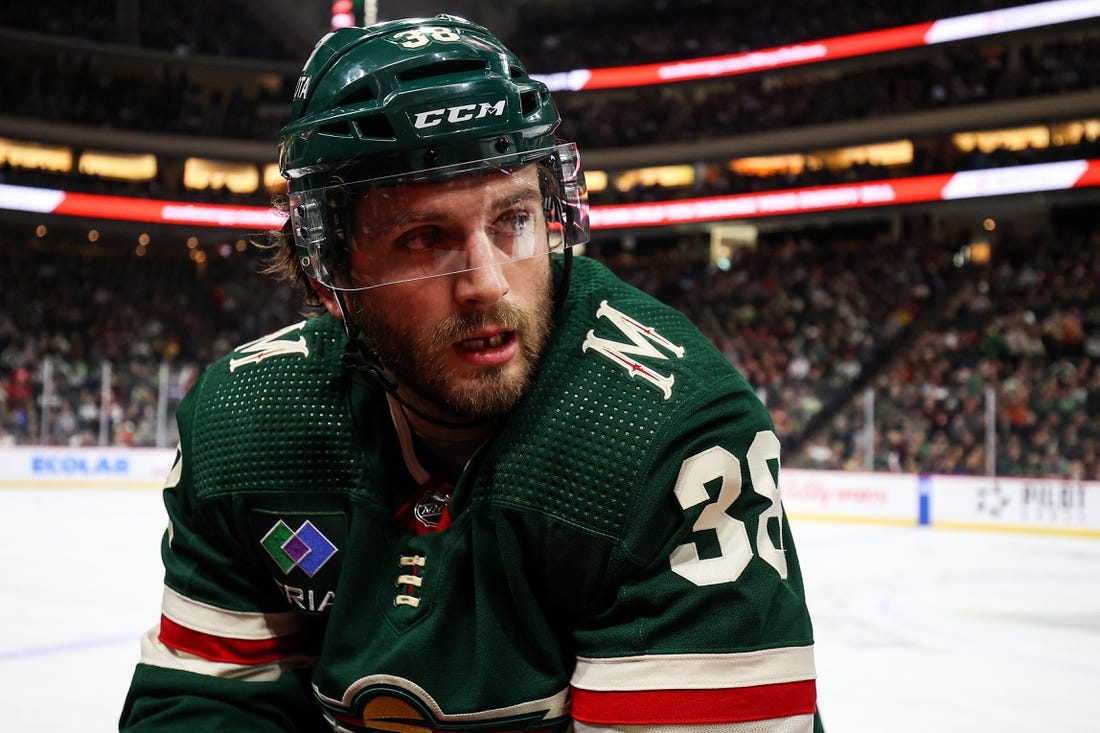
(1048, 505)
(974, 502)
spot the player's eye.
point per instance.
(422, 239)
(515, 222)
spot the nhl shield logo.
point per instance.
(429, 510)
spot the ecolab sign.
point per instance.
(64, 464)
(33, 467)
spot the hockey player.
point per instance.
(490, 487)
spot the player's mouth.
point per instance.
(488, 348)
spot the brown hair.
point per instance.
(281, 261)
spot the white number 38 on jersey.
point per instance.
(736, 549)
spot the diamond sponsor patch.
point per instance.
(305, 548)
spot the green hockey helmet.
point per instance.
(413, 101)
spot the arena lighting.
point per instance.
(342, 15)
(976, 25)
(124, 208)
(201, 173)
(21, 154)
(353, 12)
(123, 166)
(1006, 181)
(917, 189)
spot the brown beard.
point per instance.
(419, 362)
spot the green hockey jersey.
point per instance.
(615, 558)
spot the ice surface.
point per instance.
(918, 629)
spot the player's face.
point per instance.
(468, 341)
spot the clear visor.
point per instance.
(444, 221)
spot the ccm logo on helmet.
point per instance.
(459, 113)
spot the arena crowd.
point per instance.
(809, 321)
(816, 321)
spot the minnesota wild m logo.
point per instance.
(270, 345)
(643, 342)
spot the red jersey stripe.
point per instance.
(684, 707)
(224, 649)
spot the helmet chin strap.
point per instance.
(566, 276)
(359, 357)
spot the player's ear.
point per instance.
(327, 298)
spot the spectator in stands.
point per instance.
(1041, 380)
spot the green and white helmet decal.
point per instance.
(415, 101)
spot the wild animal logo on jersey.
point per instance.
(642, 343)
(270, 345)
(395, 704)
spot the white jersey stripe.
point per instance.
(215, 621)
(695, 671)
